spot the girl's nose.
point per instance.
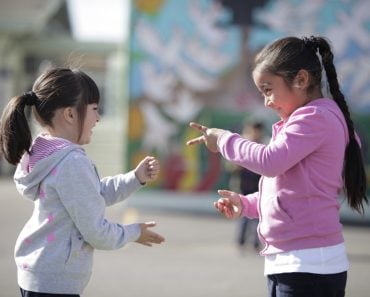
(267, 102)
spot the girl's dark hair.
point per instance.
(285, 58)
(55, 88)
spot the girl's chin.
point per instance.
(283, 116)
(284, 119)
(84, 141)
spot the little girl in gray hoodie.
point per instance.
(54, 251)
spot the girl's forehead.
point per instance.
(263, 78)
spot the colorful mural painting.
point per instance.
(190, 61)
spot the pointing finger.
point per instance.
(198, 140)
(198, 127)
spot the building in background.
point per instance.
(35, 34)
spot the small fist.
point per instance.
(147, 170)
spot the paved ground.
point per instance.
(198, 259)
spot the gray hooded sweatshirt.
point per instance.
(54, 251)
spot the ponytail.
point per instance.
(15, 133)
(353, 170)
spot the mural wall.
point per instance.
(190, 61)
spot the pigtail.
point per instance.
(353, 171)
(15, 133)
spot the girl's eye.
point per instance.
(267, 92)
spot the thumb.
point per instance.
(143, 161)
(233, 197)
(227, 193)
(149, 224)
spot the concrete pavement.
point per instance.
(198, 259)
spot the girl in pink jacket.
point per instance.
(313, 154)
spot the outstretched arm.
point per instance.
(117, 188)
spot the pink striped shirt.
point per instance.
(43, 146)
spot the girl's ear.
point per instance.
(301, 80)
(69, 115)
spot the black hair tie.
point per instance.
(31, 98)
(311, 42)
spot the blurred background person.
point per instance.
(246, 182)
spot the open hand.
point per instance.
(209, 137)
(229, 205)
(148, 237)
(147, 169)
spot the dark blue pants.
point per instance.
(307, 285)
(25, 293)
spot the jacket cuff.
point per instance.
(132, 232)
(222, 139)
(132, 176)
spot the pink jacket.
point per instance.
(297, 203)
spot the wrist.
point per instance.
(220, 135)
(241, 206)
(139, 179)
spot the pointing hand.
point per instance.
(209, 137)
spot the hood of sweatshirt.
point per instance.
(46, 152)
